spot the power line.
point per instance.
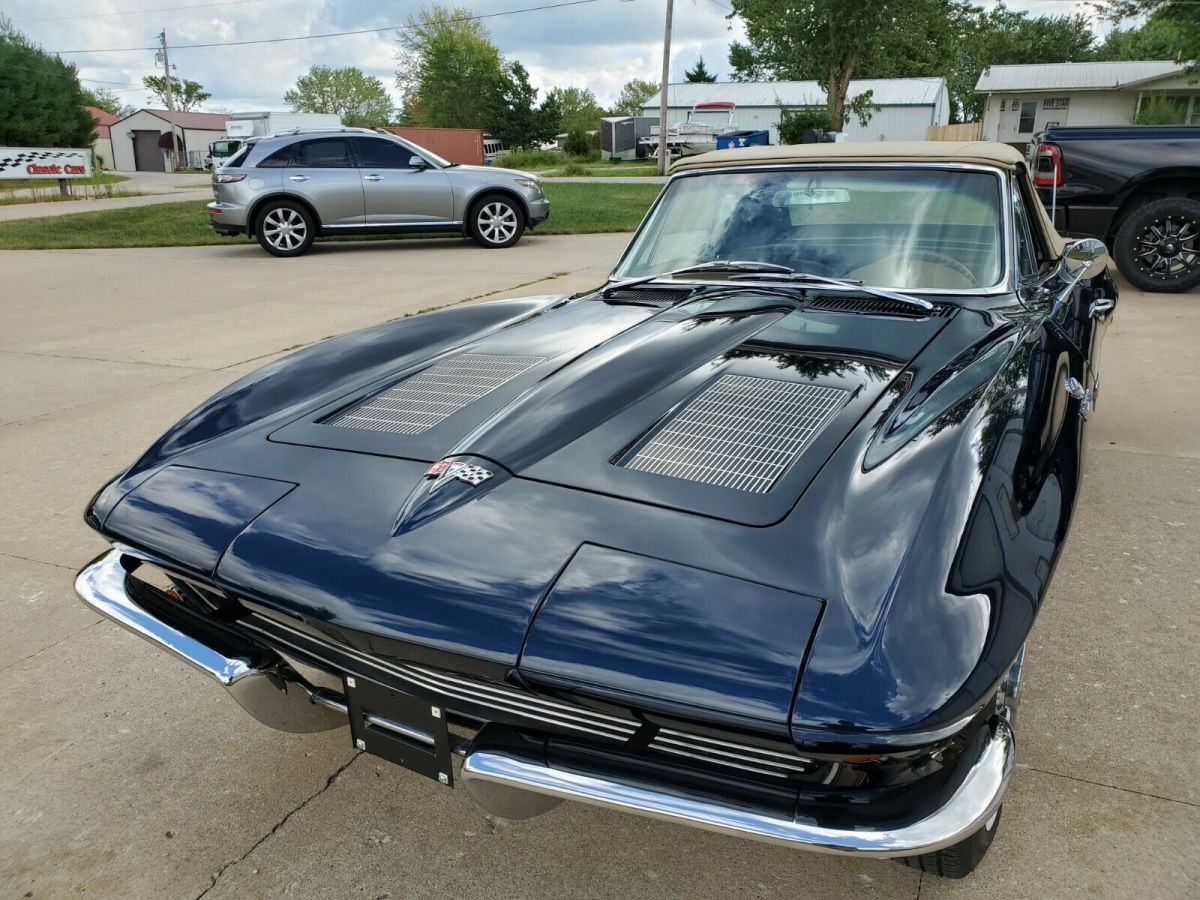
(330, 34)
(136, 12)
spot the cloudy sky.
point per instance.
(598, 44)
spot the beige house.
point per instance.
(1024, 100)
(141, 139)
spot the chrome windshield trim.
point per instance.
(1005, 285)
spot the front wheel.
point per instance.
(1158, 245)
(497, 221)
(959, 860)
(285, 228)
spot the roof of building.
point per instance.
(1077, 76)
(884, 92)
(197, 120)
(103, 119)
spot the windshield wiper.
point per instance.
(744, 266)
(838, 282)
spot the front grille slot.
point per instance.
(424, 400)
(646, 296)
(878, 307)
(486, 697)
(741, 432)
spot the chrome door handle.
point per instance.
(1077, 391)
(297, 178)
(372, 178)
(1101, 307)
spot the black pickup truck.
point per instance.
(1137, 188)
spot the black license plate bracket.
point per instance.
(402, 728)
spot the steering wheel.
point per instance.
(948, 262)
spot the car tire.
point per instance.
(958, 860)
(1158, 245)
(284, 228)
(497, 221)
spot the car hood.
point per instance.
(643, 531)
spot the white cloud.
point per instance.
(600, 45)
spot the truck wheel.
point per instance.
(1158, 245)
(959, 860)
(497, 221)
(285, 228)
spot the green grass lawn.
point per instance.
(574, 209)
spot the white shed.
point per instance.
(1024, 100)
(140, 139)
(907, 106)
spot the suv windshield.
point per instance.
(904, 228)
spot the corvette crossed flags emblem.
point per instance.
(445, 470)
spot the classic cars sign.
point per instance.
(45, 162)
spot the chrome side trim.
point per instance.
(415, 226)
(489, 774)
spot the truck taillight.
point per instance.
(1049, 171)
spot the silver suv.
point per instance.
(288, 189)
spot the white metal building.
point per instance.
(140, 139)
(907, 106)
(1023, 100)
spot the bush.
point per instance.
(579, 143)
(1162, 110)
(794, 122)
(532, 159)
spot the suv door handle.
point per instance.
(372, 178)
(297, 178)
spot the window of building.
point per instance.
(1028, 112)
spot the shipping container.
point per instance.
(459, 145)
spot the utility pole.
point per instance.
(163, 58)
(663, 152)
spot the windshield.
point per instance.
(886, 227)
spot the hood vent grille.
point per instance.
(740, 432)
(424, 400)
(878, 307)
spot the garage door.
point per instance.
(146, 155)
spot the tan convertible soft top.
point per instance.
(986, 153)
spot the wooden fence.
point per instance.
(965, 131)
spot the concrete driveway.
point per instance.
(125, 774)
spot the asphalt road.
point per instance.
(125, 774)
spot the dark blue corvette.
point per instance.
(750, 537)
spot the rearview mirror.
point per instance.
(1085, 258)
(417, 162)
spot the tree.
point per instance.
(358, 99)
(1171, 31)
(831, 41)
(698, 74)
(514, 119)
(185, 95)
(449, 70)
(41, 102)
(106, 100)
(633, 97)
(579, 110)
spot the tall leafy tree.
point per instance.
(104, 99)
(1172, 30)
(514, 118)
(449, 70)
(578, 108)
(698, 74)
(633, 96)
(358, 99)
(41, 102)
(186, 95)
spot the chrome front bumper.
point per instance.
(509, 784)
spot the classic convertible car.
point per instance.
(749, 537)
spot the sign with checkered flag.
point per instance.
(45, 162)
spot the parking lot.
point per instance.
(125, 774)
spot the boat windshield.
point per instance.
(889, 227)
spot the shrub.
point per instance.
(532, 159)
(574, 169)
(794, 122)
(1162, 110)
(578, 143)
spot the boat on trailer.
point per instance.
(705, 122)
